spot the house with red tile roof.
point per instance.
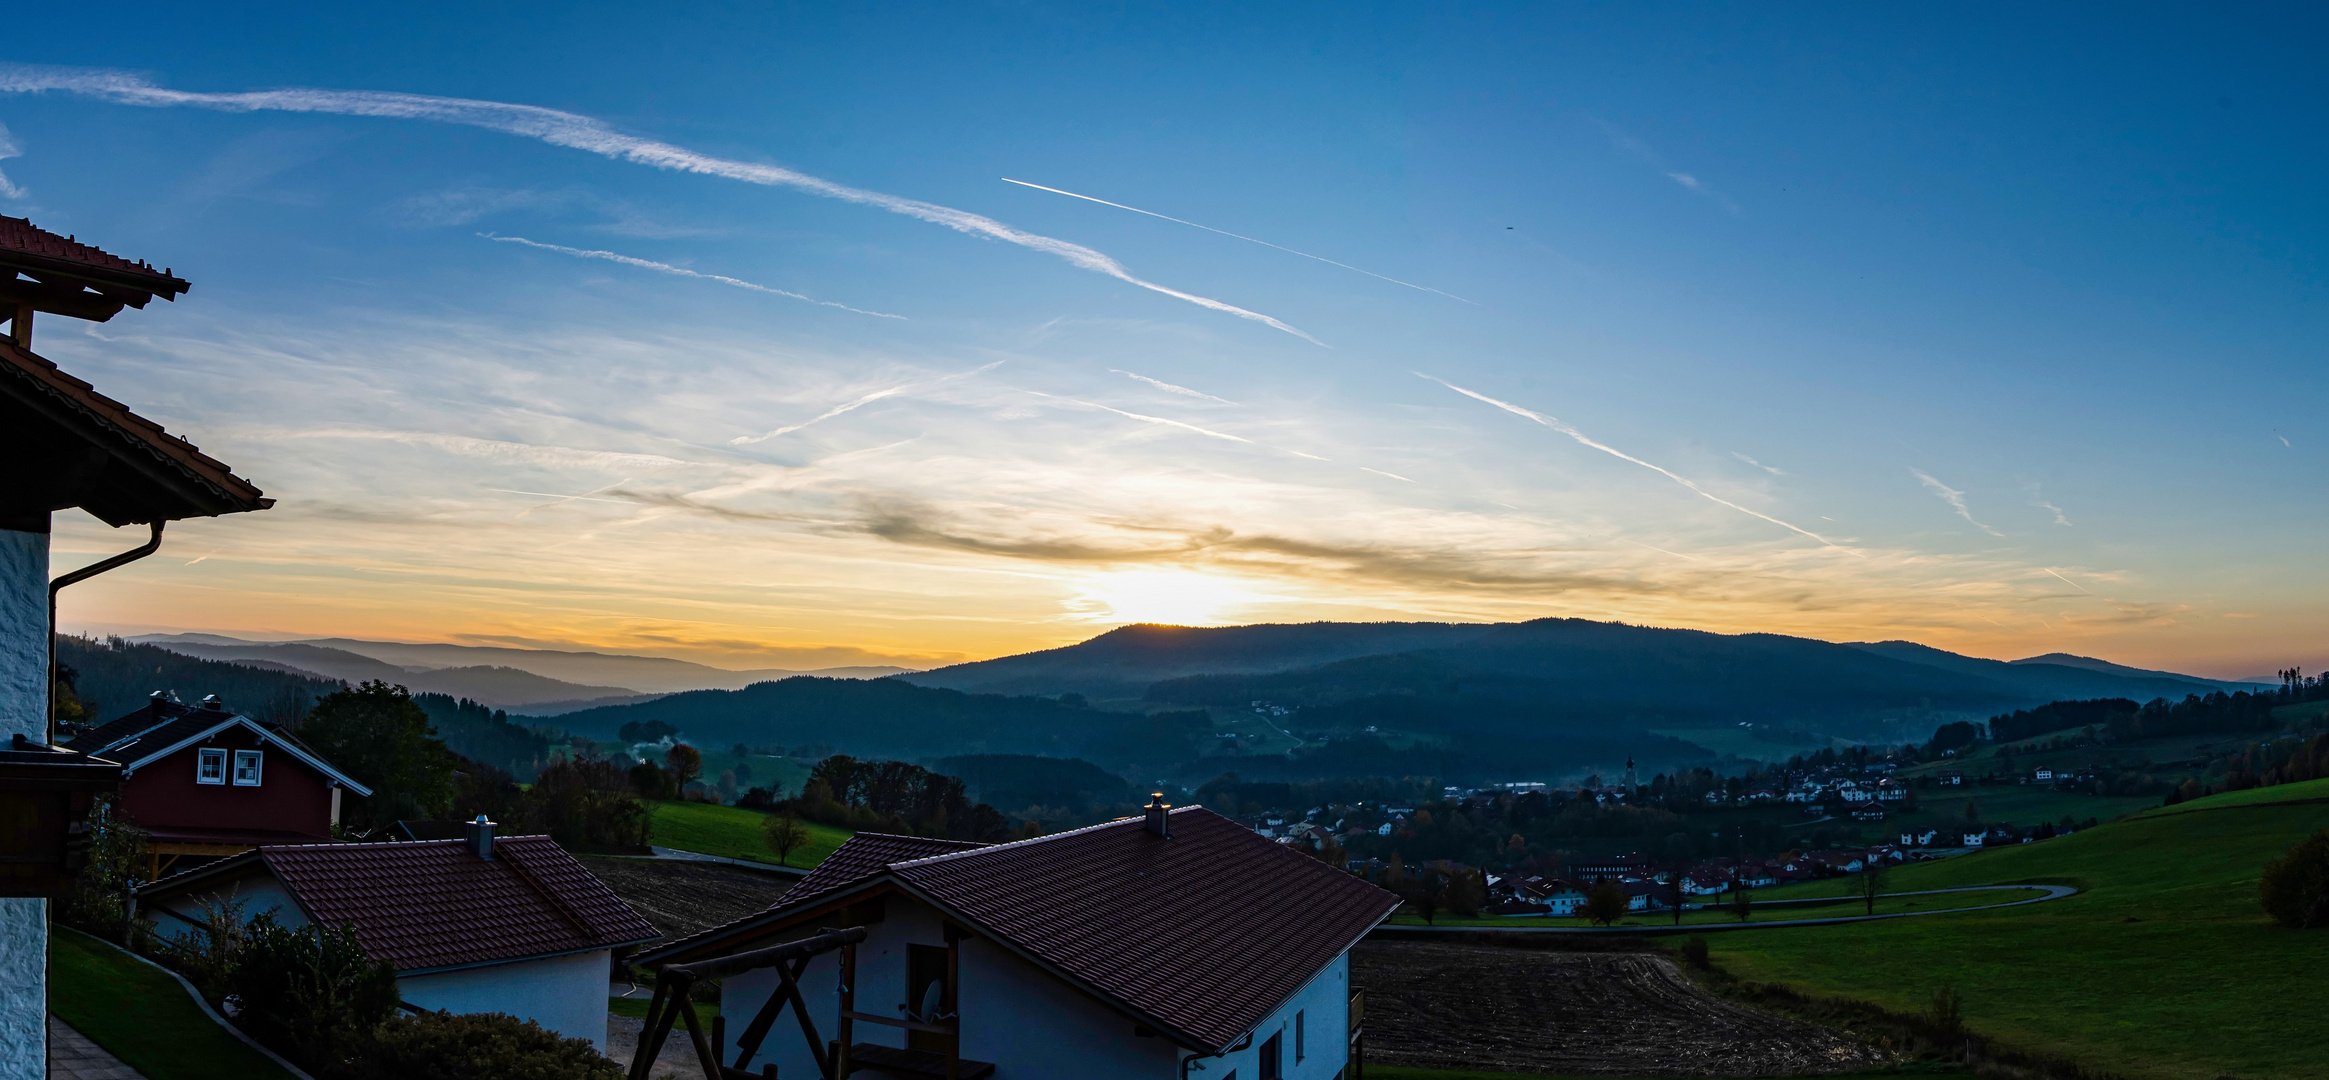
(204, 782)
(483, 924)
(1171, 945)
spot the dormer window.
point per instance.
(247, 765)
(210, 767)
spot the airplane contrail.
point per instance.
(1238, 236)
(856, 404)
(667, 268)
(1612, 451)
(577, 132)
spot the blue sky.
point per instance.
(1997, 330)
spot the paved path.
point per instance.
(73, 1057)
(2052, 892)
(697, 856)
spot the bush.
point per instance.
(209, 953)
(1695, 954)
(310, 993)
(2296, 885)
(116, 858)
(441, 1046)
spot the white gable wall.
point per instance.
(24, 935)
(1031, 1025)
(566, 994)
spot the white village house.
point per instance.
(1177, 945)
(65, 446)
(511, 925)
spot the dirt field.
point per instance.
(1449, 1005)
(680, 897)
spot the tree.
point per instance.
(1872, 878)
(651, 782)
(1605, 903)
(685, 763)
(377, 734)
(1972, 811)
(1466, 891)
(2296, 885)
(1741, 906)
(783, 835)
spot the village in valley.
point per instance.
(583, 721)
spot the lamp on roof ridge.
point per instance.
(1159, 815)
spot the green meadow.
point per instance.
(734, 832)
(2164, 966)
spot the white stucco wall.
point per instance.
(566, 994)
(1029, 1024)
(24, 661)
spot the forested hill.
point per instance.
(883, 717)
(113, 679)
(1575, 667)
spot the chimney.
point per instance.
(1160, 819)
(479, 837)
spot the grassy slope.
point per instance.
(1400, 1072)
(2165, 967)
(143, 1016)
(734, 832)
(1842, 905)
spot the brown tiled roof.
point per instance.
(1203, 934)
(866, 854)
(27, 245)
(93, 452)
(434, 904)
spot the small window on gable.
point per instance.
(247, 766)
(1301, 1050)
(210, 766)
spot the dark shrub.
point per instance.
(1694, 953)
(2296, 885)
(310, 993)
(441, 1046)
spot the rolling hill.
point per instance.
(500, 687)
(1549, 669)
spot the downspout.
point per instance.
(74, 578)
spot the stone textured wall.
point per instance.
(24, 660)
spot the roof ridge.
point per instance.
(1031, 840)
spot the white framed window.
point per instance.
(247, 766)
(210, 766)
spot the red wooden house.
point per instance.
(204, 782)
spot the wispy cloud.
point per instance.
(1766, 468)
(1170, 388)
(577, 132)
(1955, 499)
(1625, 141)
(680, 271)
(1379, 472)
(2038, 499)
(856, 404)
(2284, 440)
(9, 149)
(1238, 236)
(1669, 474)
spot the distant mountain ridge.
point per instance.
(1573, 666)
(539, 682)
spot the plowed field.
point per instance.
(1485, 1007)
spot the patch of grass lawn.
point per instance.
(734, 832)
(1401, 1072)
(2165, 966)
(143, 1016)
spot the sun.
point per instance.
(1173, 597)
